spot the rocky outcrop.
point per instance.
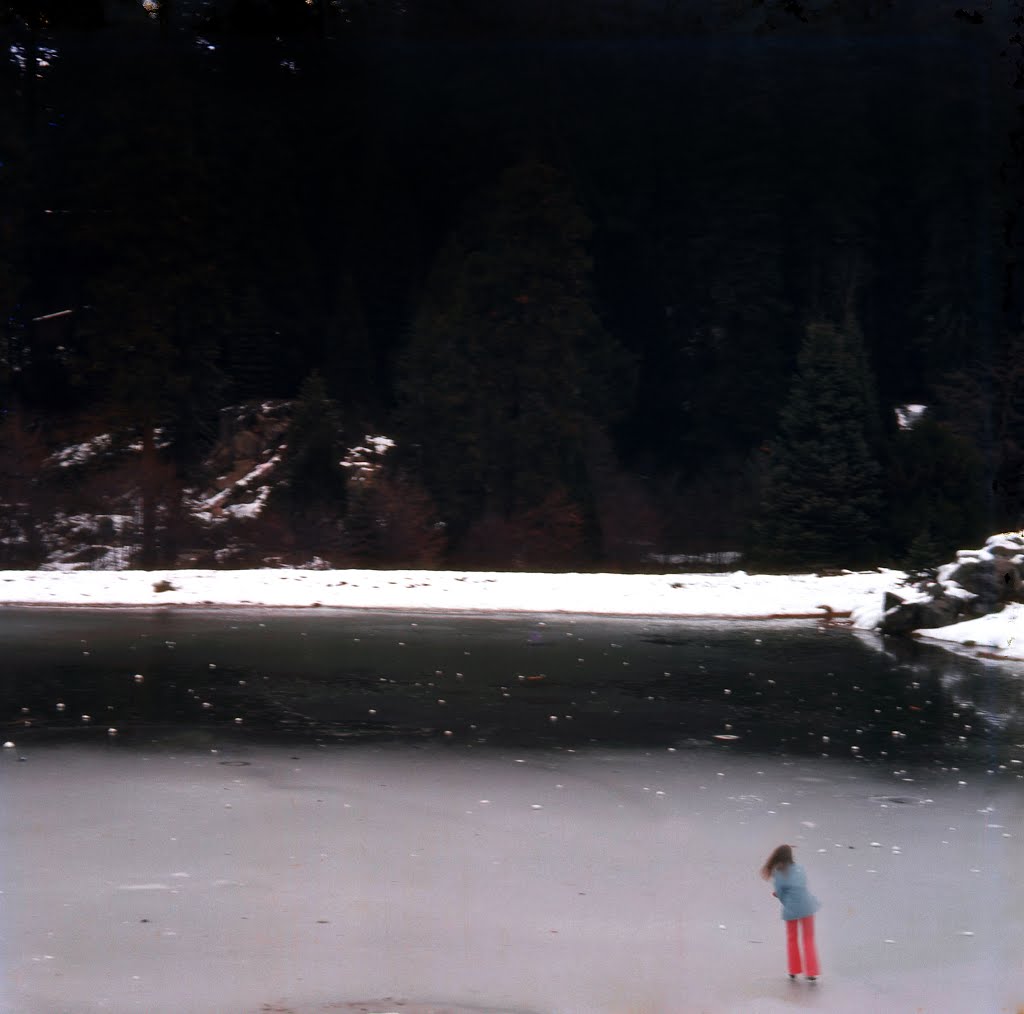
(249, 435)
(978, 582)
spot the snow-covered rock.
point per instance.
(979, 582)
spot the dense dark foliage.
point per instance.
(566, 254)
(823, 494)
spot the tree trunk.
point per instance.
(23, 495)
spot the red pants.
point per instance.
(810, 964)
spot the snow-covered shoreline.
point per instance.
(701, 595)
(736, 595)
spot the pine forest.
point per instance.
(482, 285)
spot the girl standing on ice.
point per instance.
(798, 908)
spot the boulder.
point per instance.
(891, 601)
(938, 612)
(1008, 578)
(977, 576)
(1005, 550)
(978, 582)
(900, 618)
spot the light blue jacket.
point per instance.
(790, 883)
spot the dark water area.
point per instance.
(192, 678)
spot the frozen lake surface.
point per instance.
(336, 850)
(195, 677)
(270, 879)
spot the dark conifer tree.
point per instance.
(508, 359)
(936, 493)
(11, 344)
(315, 480)
(249, 357)
(983, 404)
(392, 522)
(150, 350)
(823, 500)
(946, 309)
(349, 366)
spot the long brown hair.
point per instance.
(781, 856)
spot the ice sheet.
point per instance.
(598, 882)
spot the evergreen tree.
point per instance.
(822, 504)
(23, 498)
(936, 493)
(732, 315)
(248, 352)
(956, 217)
(14, 173)
(13, 354)
(392, 522)
(349, 366)
(508, 360)
(315, 480)
(946, 309)
(984, 404)
(150, 351)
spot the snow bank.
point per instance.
(741, 595)
(1002, 631)
(692, 595)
